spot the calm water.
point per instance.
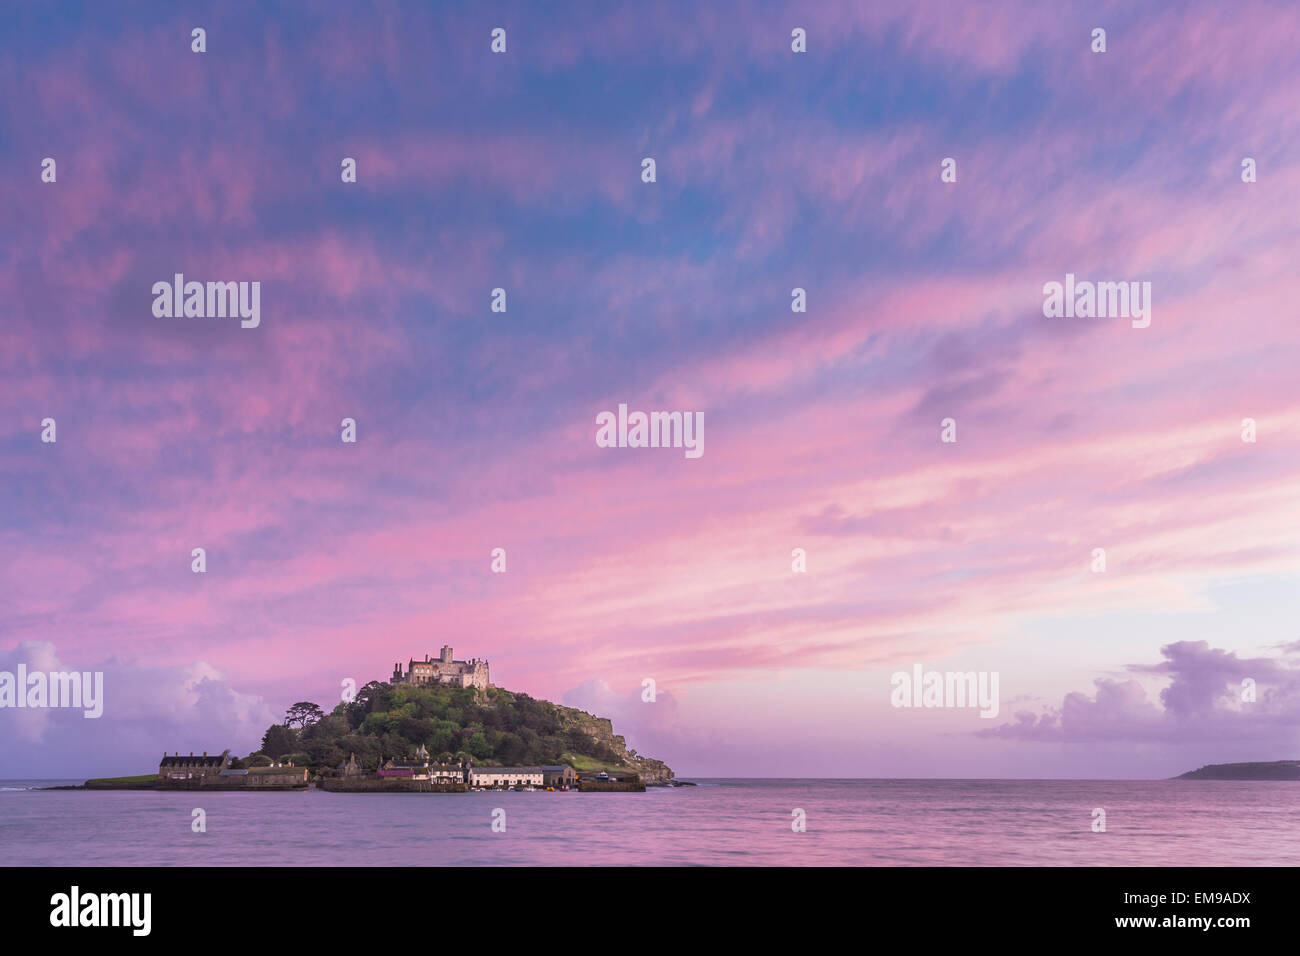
(876, 822)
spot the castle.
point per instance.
(443, 670)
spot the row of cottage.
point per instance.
(177, 769)
(422, 768)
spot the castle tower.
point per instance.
(446, 654)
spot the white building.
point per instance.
(446, 773)
(505, 776)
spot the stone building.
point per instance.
(412, 769)
(443, 670)
(278, 777)
(177, 767)
(416, 770)
(559, 776)
(350, 767)
(422, 767)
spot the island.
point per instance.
(1276, 770)
(436, 726)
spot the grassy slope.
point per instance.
(144, 781)
(579, 762)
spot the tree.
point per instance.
(279, 740)
(454, 722)
(302, 714)
(511, 749)
(376, 723)
(370, 697)
(478, 746)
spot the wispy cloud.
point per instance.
(775, 171)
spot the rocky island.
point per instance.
(438, 725)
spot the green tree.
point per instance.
(478, 746)
(511, 750)
(279, 740)
(303, 714)
(376, 724)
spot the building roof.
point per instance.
(192, 761)
(508, 769)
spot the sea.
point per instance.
(718, 822)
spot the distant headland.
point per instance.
(1276, 770)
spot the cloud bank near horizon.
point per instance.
(146, 710)
(1204, 701)
(1200, 709)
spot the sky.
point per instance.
(476, 429)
